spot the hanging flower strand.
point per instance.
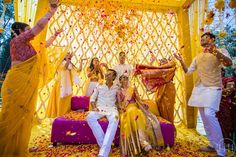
(220, 4)
(232, 5)
(2, 18)
(209, 17)
(5, 2)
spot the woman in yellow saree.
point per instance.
(20, 88)
(139, 129)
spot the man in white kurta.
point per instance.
(103, 102)
(122, 67)
(206, 94)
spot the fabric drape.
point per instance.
(154, 77)
(159, 80)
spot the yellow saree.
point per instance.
(58, 105)
(19, 97)
(138, 126)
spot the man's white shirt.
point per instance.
(105, 99)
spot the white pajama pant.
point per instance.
(104, 140)
(213, 129)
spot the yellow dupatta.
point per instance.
(154, 129)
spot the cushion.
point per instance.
(152, 107)
(80, 103)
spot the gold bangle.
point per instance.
(51, 12)
(214, 53)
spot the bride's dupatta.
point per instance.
(154, 77)
(154, 125)
(19, 97)
(152, 122)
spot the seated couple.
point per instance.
(139, 128)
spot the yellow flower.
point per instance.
(220, 4)
(209, 21)
(210, 14)
(6, 1)
(1, 30)
(232, 4)
(209, 17)
(222, 34)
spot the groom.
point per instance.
(103, 102)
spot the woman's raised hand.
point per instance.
(178, 56)
(53, 5)
(57, 32)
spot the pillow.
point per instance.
(152, 107)
(79, 103)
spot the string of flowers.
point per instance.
(2, 18)
(232, 5)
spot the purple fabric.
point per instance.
(81, 133)
(79, 129)
(80, 103)
(168, 133)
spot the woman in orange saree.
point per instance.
(159, 80)
(139, 129)
(20, 88)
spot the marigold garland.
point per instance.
(232, 4)
(220, 4)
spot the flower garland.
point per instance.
(210, 17)
(232, 4)
(220, 4)
(3, 14)
(2, 19)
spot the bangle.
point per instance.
(214, 52)
(51, 12)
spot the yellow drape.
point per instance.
(25, 11)
(196, 25)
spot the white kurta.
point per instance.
(122, 69)
(207, 99)
(205, 96)
(105, 99)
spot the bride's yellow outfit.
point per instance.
(138, 126)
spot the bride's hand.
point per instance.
(145, 106)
